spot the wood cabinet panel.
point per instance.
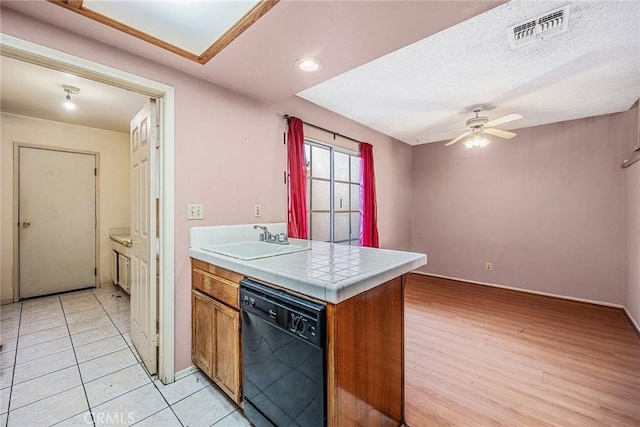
(227, 350)
(217, 287)
(218, 271)
(365, 360)
(216, 326)
(202, 324)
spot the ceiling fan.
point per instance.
(477, 126)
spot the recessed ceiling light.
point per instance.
(308, 64)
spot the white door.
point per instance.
(57, 221)
(143, 232)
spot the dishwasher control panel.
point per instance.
(302, 318)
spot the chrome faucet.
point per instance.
(267, 236)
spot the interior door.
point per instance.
(57, 221)
(142, 283)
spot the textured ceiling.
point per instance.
(419, 91)
(416, 93)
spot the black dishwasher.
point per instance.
(283, 357)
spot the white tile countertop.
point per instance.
(327, 271)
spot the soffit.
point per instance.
(260, 62)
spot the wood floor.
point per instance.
(482, 356)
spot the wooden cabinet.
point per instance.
(202, 322)
(365, 358)
(364, 352)
(215, 320)
(226, 350)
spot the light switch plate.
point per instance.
(195, 211)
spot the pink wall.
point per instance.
(632, 198)
(229, 154)
(546, 208)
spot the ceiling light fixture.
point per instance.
(477, 139)
(308, 64)
(68, 103)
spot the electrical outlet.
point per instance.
(257, 211)
(488, 266)
(195, 211)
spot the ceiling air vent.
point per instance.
(543, 26)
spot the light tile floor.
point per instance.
(68, 360)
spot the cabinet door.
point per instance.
(114, 267)
(123, 272)
(202, 326)
(227, 350)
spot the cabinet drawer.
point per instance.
(217, 271)
(216, 287)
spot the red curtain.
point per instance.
(297, 222)
(368, 210)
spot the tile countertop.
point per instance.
(328, 272)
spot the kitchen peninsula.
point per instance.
(363, 292)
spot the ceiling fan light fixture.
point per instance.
(477, 140)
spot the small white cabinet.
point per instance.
(120, 263)
(123, 272)
(114, 266)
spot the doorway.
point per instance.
(50, 58)
(57, 220)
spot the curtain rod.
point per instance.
(286, 116)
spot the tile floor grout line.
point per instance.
(42, 330)
(13, 372)
(97, 357)
(124, 367)
(189, 395)
(170, 406)
(139, 362)
(42, 357)
(78, 367)
(228, 415)
(144, 368)
(38, 400)
(50, 372)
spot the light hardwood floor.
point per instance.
(482, 356)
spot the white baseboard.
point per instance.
(185, 372)
(633, 321)
(529, 291)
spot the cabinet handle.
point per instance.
(26, 223)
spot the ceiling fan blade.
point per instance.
(500, 133)
(453, 141)
(452, 130)
(504, 119)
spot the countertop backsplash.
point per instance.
(220, 234)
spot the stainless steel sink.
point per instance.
(251, 250)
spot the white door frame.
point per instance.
(16, 200)
(30, 52)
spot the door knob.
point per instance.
(26, 223)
